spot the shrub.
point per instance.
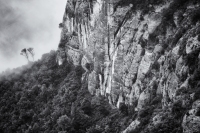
(195, 16)
(79, 71)
(103, 111)
(177, 109)
(61, 25)
(194, 79)
(168, 125)
(177, 36)
(156, 100)
(152, 40)
(198, 38)
(64, 122)
(197, 94)
(182, 47)
(144, 112)
(191, 60)
(123, 108)
(156, 66)
(180, 91)
(94, 130)
(198, 112)
(142, 42)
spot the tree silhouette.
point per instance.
(31, 51)
(24, 53)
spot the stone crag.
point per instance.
(133, 54)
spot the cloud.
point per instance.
(28, 23)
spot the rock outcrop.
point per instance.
(132, 54)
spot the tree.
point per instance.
(24, 53)
(31, 51)
(61, 25)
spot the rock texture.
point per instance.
(192, 119)
(131, 55)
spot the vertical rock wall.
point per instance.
(134, 56)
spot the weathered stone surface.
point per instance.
(179, 66)
(172, 85)
(135, 92)
(147, 95)
(192, 44)
(158, 48)
(133, 56)
(120, 100)
(153, 21)
(145, 65)
(191, 121)
(92, 82)
(144, 98)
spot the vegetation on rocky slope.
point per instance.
(49, 98)
(143, 56)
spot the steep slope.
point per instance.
(122, 66)
(136, 53)
(43, 97)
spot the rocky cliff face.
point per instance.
(134, 52)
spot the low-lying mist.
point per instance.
(28, 23)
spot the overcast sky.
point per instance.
(28, 23)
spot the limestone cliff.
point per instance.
(136, 51)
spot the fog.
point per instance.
(28, 23)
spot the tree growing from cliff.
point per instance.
(61, 25)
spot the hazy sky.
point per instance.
(28, 23)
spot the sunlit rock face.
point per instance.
(154, 21)
(147, 95)
(133, 55)
(132, 126)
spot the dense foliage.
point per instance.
(45, 97)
